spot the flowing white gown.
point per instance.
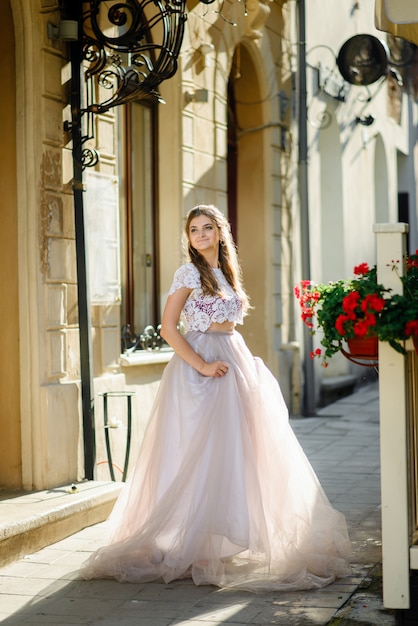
(222, 491)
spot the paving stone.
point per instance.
(300, 616)
(30, 586)
(245, 613)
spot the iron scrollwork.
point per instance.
(128, 47)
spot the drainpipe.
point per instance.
(84, 319)
(308, 400)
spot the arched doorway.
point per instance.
(11, 456)
(246, 190)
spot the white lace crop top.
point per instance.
(200, 311)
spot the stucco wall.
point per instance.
(354, 167)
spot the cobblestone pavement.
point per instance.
(342, 443)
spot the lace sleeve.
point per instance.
(186, 276)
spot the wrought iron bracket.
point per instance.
(127, 48)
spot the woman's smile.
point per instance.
(203, 233)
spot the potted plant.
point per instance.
(399, 319)
(361, 309)
(342, 310)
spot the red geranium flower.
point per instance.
(361, 328)
(361, 269)
(411, 328)
(339, 323)
(315, 353)
(350, 303)
(373, 302)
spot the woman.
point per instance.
(222, 491)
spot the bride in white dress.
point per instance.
(222, 491)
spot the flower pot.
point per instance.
(363, 347)
(362, 351)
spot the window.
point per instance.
(140, 295)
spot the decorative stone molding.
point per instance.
(258, 12)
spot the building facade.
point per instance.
(220, 138)
(361, 144)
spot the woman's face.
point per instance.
(203, 234)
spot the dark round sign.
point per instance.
(363, 59)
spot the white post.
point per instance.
(393, 433)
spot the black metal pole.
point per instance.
(84, 317)
(308, 398)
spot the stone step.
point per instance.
(30, 521)
(336, 387)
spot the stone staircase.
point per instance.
(30, 521)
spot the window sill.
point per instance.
(145, 357)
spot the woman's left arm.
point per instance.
(175, 339)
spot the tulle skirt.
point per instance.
(222, 491)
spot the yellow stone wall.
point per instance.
(41, 407)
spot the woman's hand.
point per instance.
(173, 337)
(216, 369)
(170, 333)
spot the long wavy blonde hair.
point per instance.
(228, 258)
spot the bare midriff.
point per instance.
(224, 327)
